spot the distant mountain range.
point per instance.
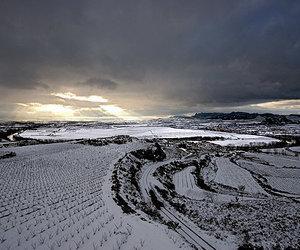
(267, 118)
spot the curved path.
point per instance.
(186, 228)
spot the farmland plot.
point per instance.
(185, 185)
(183, 180)
(279, 172)
(278, 161)
(281, 151)
(290, 185)
(266, 223)
(260, 221)
(57, 196)
(230, 174)
(295, 149)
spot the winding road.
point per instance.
(186, 228)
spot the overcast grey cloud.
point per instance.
(213, 53)
(100, 83)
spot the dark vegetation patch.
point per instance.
(123, 204)
(154, 153)
(198, 138)
(20, 142)
(10, 128)
(120, 139)
(173, 199)
(158, 204)
(7, 132)
(4, 155)
(116, 186)
(288, 140)
(197, 173)
(165, 173)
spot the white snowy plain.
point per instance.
(145, 132)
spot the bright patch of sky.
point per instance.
(71, 96)
(55, 111)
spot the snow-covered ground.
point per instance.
(185, 185)
(290, 185)
(281, 151)
(57, 196)
(68, 195)
(232, 211)
(280, 161)
(145, 132)
(268, 170)
(246, 140)
(280, 172)
(295, 149)
(230, 174)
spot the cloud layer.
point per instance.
(71, 96)
(153, 56)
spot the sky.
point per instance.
(97, 60)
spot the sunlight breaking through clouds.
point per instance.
(283, 104)
(117, 111)
(71, 96)
(114, 110)
(54, 111)
(54, 108)
(45, 111)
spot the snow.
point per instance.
(147, 180)
(246, 141)
(279, 161)
(295, 149)
(281, 172)
(145, 132)
(58, 196)
(290, 185)
(268, 170)
(249, 214)
(185, 185)
(279, 151)
(230, 174)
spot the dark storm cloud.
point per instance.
(197, 52)
(100, 83)
(19, 76)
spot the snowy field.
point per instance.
(269, 170)
(281, 151)
(244, 203)
(280, 171)
(186, 186)
(295, 149)
(290, 185)
(68, 192)
(57, 196)
(246, 140)
(230, 174)
(145, 132)
(280, 161)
